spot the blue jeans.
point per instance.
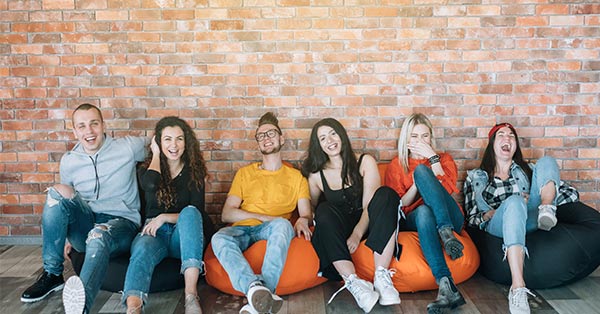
(184, 240)
(513, 218)
(439, 211)
(100, 236)
(229, 243)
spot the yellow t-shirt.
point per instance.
(273, 193)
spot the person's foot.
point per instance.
(247, 309)
(361, 290)
(44, 285)
(517, 301)
(74, 296)
(448, 298)
(262, 300)
(546, 217)
(452, 246)
(382, 282)
(192, 304)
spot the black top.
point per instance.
(185, 196)
(343, 198)
(150, 180)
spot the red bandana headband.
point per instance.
(498, 127)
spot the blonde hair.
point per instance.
(407, 127)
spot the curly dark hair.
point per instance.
(316, 159)
(192, 158)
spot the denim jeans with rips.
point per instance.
(100, 236)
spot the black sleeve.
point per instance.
(149, 179)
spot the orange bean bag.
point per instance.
(299, 273)
(412, 271)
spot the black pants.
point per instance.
(335, 224)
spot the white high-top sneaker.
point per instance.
(361, 290)
(382, 282)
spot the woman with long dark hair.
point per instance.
(173, 179)
(349, 202)
(509, 198)
(425, 180)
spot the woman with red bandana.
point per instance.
(507, 197)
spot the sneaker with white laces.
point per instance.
(361, 290)
(262, 300)
(517, 301)
(382, 282)
(74, 296)
(192, 304)
(546, 217)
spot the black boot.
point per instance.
(451, 244)
(448, 298)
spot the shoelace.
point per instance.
(351, 286)
(520, 296)
(387, 280)
(346, 285)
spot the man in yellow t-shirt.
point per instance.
(261, 200)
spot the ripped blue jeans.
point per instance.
(100, 236)
(184, 240)
(516, 216)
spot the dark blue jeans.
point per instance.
(439, 211)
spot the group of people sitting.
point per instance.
(337, 194)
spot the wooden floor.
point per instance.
(20, 266)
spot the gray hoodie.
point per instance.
(107, 180)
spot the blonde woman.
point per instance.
(424, 179)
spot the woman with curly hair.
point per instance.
(176, 223)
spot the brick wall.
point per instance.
(220, 64)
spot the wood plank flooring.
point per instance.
(20, 266)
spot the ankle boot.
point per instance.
(448, 298)
(452, 246)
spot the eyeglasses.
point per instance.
(270, 134)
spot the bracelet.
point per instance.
(433, 159)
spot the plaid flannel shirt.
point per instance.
(498, 191)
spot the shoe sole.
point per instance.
(276, 306)
(31, 300)
(454, 249)
(262, 301)
(389, 301)
(441, 310)
(73, 296)
(546, 222)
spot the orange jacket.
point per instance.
(401, 182)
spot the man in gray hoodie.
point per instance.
(96, 207)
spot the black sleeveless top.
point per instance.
(343, 198)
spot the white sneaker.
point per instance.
(388, 294)
(74, 296)
(517, 301)
(361, 290)
(247, 309)
(262, 300)
(546, 217)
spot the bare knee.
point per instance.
(64, 190)
(96, 232)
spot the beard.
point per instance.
(271, 150)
